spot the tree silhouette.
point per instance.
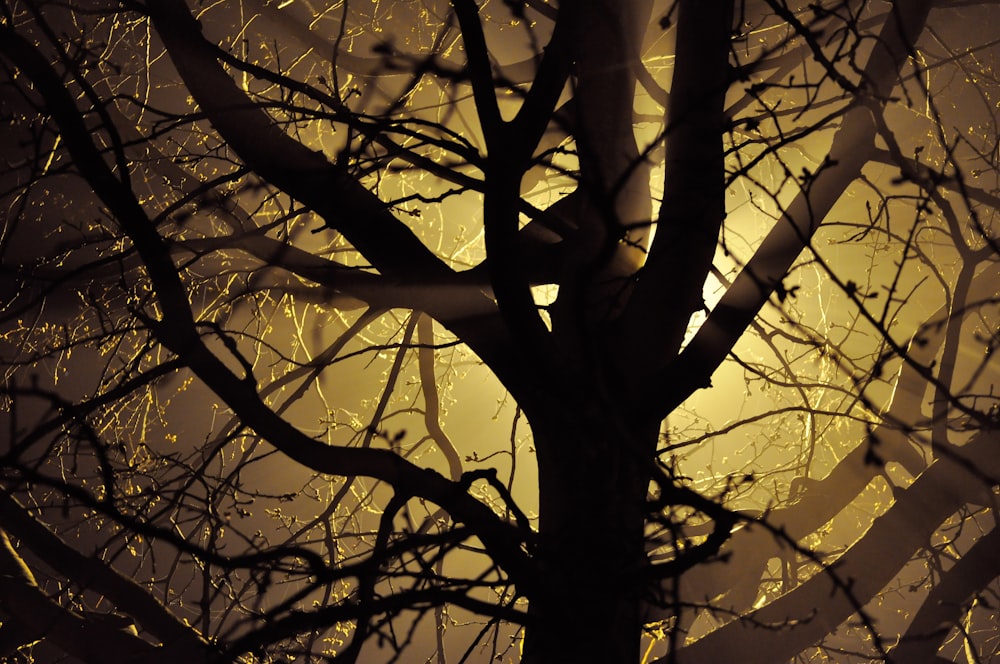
(519, 331)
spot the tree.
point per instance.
(598, 332)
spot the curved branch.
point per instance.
(177, 330)
(309, 177)
(432, 407)
(302, 173)
(946, 602)
(802, 617)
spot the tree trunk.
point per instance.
(593, 489)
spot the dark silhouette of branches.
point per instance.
(482, 330)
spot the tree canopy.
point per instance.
(659, 331)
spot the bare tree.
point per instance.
(520, 331)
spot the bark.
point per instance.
(590, 540)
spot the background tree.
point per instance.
(598, 331)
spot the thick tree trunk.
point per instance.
(593, 489)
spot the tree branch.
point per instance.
(38, 617)
(177, 331)
(946, 602)
(302, 173)
(92, 574)
(852, 147)
(669, 288)
(800, 618)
